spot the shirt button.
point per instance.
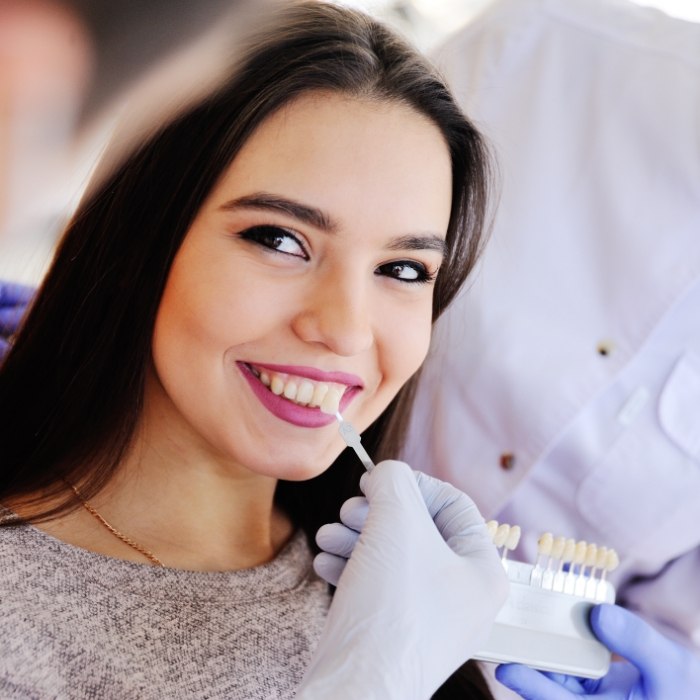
(507, 461)
(605, 348)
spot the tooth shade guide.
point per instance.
(588, 556)
(556, 578)
(353, 440)
(601, 558)
(567, 555)
(555, 552)
(544, 547)
(513, 538)
(505, 538)
(492, 526)
(580, 553)
(511, 542)
(598, 562)
(558, 552)
(501, 535)
(541, 624)
(591, 555)
(558, 547)
(544, 544)
(545, 628)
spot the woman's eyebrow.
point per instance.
(428, 241)
(273, 202)
(323, 221)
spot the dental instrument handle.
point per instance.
(352, 439)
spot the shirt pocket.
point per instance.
(644, 493)
(679, 405)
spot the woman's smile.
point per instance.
(304, 396)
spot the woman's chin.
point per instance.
(302, 472)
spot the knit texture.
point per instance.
(77, 625)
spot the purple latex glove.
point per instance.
(656, 668)
(14, 300)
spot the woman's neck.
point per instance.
(188, 509)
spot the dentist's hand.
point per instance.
(14, 300)
(417, 595)
(656, 668)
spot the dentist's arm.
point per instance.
(418, 589)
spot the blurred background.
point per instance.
(429, 21)
(26, 242)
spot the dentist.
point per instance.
(562, 392)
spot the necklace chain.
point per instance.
(126, 540)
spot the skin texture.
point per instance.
(381, 172)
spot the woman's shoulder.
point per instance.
(27, 570)
(20, 553)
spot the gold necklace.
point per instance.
(126, 540)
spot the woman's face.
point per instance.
(309, 269)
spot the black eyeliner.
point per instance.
(272, 231)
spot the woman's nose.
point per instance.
(337, 315)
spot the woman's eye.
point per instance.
(406, 271)
(278, 239)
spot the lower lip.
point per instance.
(288, 411)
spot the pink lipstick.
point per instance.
(290, 412)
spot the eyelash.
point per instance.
(424, 276)
(265, 235)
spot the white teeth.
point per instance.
(276, 385)
(319, 392)
(305, 392)
(331, 401)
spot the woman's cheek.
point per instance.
(408, 340)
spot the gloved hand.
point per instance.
(656, 668)
(415, 599)
(14, 299)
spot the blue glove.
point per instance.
(14, 300)
(656, 668)
(419, 585)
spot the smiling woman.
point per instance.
(284, 246)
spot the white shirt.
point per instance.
(573, 359)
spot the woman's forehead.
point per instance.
(348, 155)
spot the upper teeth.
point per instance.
(306, 392)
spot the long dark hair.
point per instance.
(71, 388)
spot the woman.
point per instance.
(293, 236)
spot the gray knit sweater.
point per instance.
(74, 624)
